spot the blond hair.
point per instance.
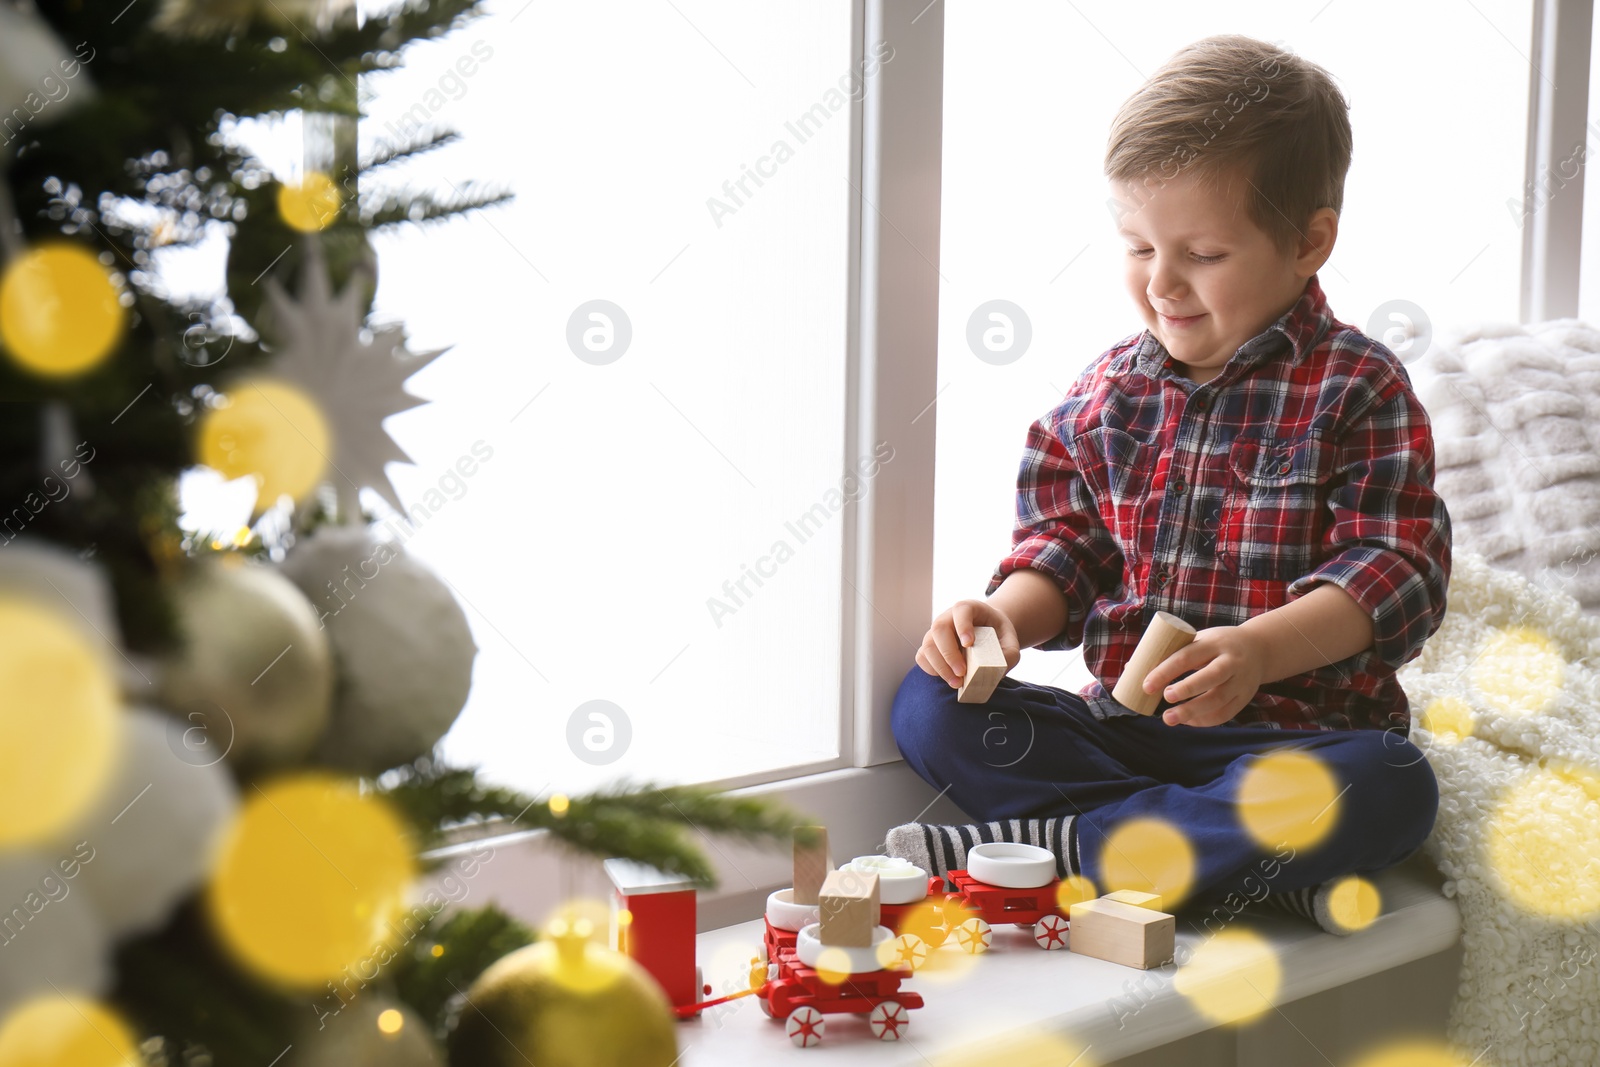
(1231, 105)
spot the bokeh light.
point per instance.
(1519, 671)
(1449, 719)
(390, 1021)
(1150, 855)
(66, 1031)
(60, 312)
(271, 431)
(61, 720)
(1016, 1046)
(1288, 797)
(1231, 978)
(1541, 846)
(311, 879)
(1417, 1053)
(311, 205)
(1072, 889)
(1354, 903)
(833, 965)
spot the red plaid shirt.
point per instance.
(1307, 459)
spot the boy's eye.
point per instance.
(1138, 253)
(1141, 253)
(1207, 259)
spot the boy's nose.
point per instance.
(1166, 286)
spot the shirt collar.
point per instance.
(1301, 328)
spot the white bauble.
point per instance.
(156, 825)
(55, 578)
(256, 673)
(401, 644)
(363, 1034)
(50, 933)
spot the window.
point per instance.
(1439, 106)
(652, 338)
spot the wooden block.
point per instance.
(986, 665)
(1121, 933)
(1165, 635)
(849, 906)
(810, 866)
(1136, 898)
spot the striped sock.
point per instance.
(942, 849)
(1310, 902)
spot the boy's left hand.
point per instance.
(1229, 665)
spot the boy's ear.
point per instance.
(1317, 241)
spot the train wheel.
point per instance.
(973, 936)
(805, 1026)
(1051, 932)
(910, 951)
(888, 1021)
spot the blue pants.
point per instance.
(1034, 751)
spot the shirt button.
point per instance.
(1202, 401)
(1283, 468)
(1177, 486)
(1159, 578)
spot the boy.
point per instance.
(1249, 464)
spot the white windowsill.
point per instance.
(1019, 988)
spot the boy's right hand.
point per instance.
(942, 652)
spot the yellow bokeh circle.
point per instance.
(1519, 671)
(61, 722)
(1416, 1053)
(270, 431)
(1541, 846)
(1288, 797)
(1449, 719)
(1232, 978)
(311, 205)
(833, 966)
(311, 879)
(1151, 856)
(1074, 889)
(60, 312)
(1354, 903)
(1011, 1045)
(66, 1031)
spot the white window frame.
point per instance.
(1558, 108)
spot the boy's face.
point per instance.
(1204, 277)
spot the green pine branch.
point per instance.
(646, 823)
(394, 209)
(422, 141)
(467, 941)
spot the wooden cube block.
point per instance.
(1136, 898)
(1121, 933)
(849, 906)
(810, 866)
(986, 665)
(1165, 635)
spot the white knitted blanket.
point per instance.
(1516, 424)
(1506, 704)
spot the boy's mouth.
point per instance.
(1178, 322)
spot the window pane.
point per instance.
(1438, 106)
(626, 499)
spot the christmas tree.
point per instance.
(286, 795)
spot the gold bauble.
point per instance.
(255, 678)
(565, 1002)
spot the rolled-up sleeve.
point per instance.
(1388, 532)
(1059, 531)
